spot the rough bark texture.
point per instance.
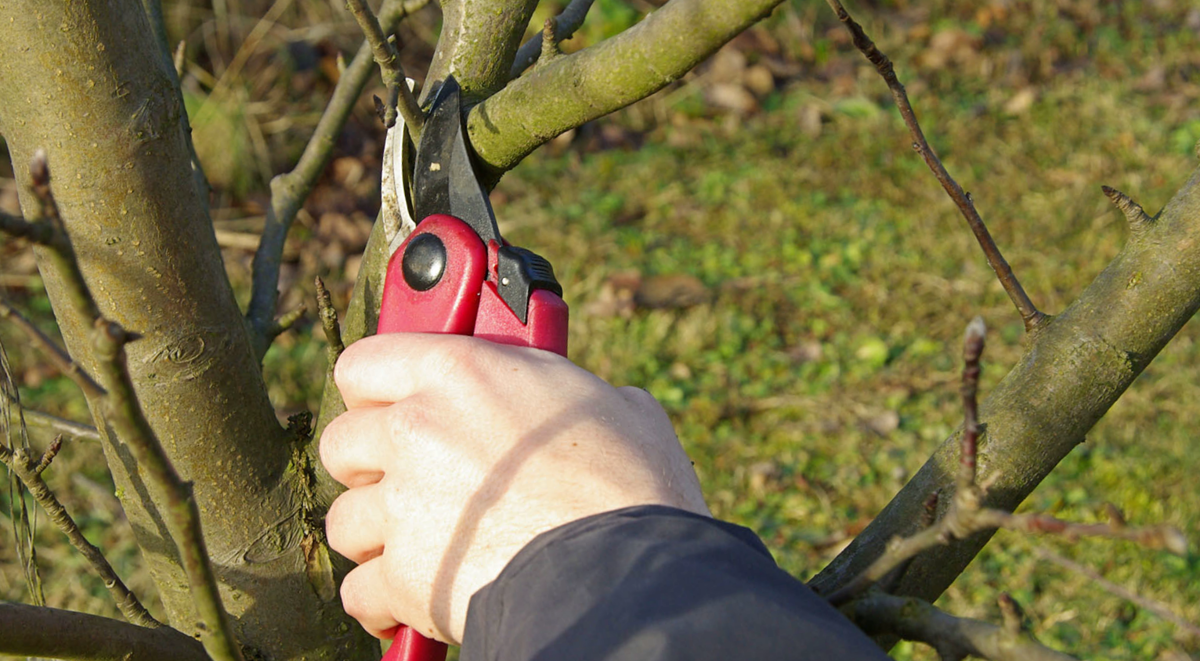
(86, 82)
(1078, 364)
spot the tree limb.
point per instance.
(29, 469)
(288, 191)
(400, 97)
(478, 41)
(1029, 313)
(37, 631)
(953, 637)
(565, 25)
(576, 88)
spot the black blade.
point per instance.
(444, 178)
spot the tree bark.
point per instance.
(1077, 365)
(86, 82)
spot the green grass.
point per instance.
(825, 368)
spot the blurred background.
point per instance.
(759, 247)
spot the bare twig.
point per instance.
(967, 516)
(181, 514)
(61, 254)
(62, 361)
(972, 349)
(329, 321)
(33, 631)
(953, 637)
(1029, 313)
(400, 97)
(288, 191)
(60, 426)
(29, 469)
(287, 321)
(563, 28)
(1159, 609)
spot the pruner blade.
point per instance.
(396, 209)
(444, 178)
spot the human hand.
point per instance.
(458, 452)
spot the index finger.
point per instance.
(383, 369)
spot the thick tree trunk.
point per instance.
(86, 81)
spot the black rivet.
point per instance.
(424, 261)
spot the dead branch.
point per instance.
(36, 631)
(1029, 313)
(288, 191)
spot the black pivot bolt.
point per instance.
(424, 261)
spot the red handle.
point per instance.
(459, 301)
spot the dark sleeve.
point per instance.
(653, 584)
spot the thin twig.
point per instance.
(287, 321)
(29, 470)
(182, 517)
(1159, 609)
(73, 431)
(967, 516)
(953, 637)
(1029, 313)
(288, 191)
(400, 97)
(62, 361)
(61, 254)
(329, 321)
(565, 25)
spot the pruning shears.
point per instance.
(454, 273)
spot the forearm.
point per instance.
(653, 584)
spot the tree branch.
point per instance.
(29, 469)
(565, 25)
(36, 631)
(953, 637)
(966, 515)
(1029, 313)
(329, 322)
(74, 431)
(288, 191)
(61, 360)
(182, 515)
(593, 82)
(400, 97)
(477, 43)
